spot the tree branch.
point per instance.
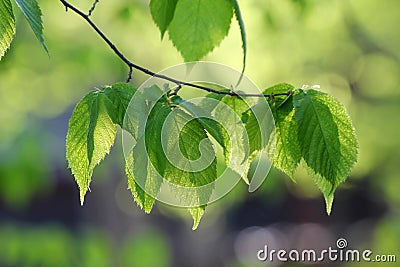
(132, 65)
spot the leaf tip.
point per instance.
(329, 201)
(197, 213)
(147, 209)
(195, 225)
(82, 198)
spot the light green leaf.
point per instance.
(145, 178)
(183, 135)
(283, 146)
(197, 213)
(259, 126)
(215, 129)
(162, 12)
(286, 151)
(239, 18)
(199, 26)
(236, 148)
(279, 88)
(327, 139)
(33, 14)
(192, 137)
(91, 133)
(7, 26)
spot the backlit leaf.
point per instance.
(91, 133)
(199, 26)
(7, 26)
(327, 139)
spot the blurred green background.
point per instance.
(350, 48)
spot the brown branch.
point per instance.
(132, 65)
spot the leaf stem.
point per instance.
(93, 7)
(131, 65)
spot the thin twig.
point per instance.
(132, 65)
(129, 74)
(92, 8)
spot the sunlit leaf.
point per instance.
(327, 139)
(91, 133)
(7, 26)
(199, 26)
(120, 95)
(229, 112)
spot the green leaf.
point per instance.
(217, 131)
(259, 126)
(197, 150)
(162, 12)
(33, 14)
(286, 151)
(192, 141)
(239, 18)
(279, 88)
(199, 26)
(138, 167)
(214, 128)
(283, 146)
(197, 213)
(7, 26)
(327, 139)
(229, 111)
(145, 178)
(186, 148)
(120, 95)
(91, 133)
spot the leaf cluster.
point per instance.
(309, 126)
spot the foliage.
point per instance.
(310, 125)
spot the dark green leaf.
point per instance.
(143, 180)
(33, 14)
(120, 95)
(162, 12)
